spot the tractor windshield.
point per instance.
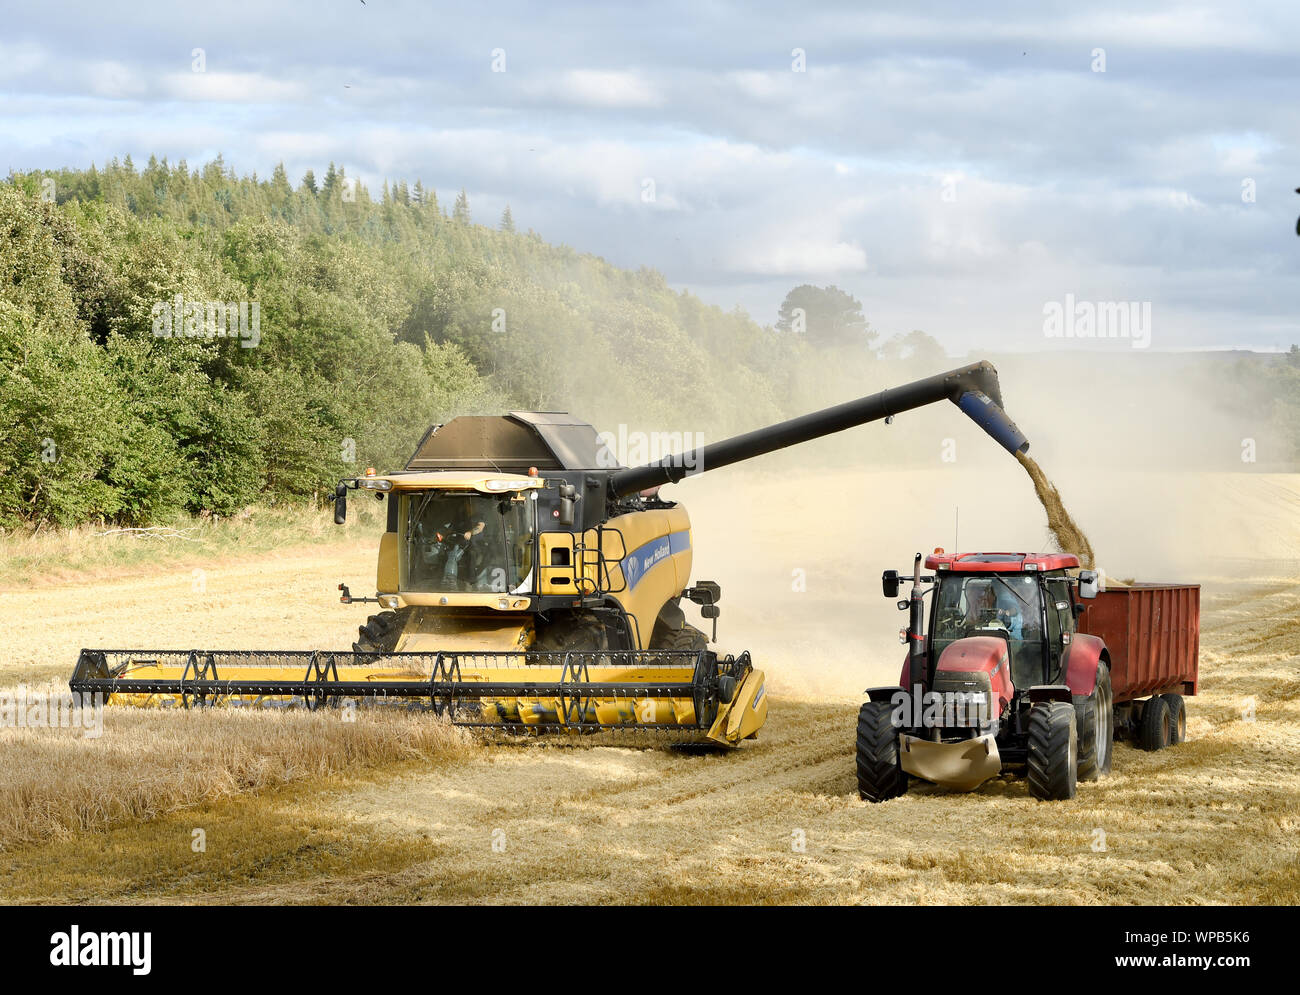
(465, 541)
(1008, 606)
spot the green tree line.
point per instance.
(377, 317)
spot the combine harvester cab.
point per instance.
(528, 582)
(1026, 666)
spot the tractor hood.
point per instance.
(977, 665)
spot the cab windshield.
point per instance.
(1008, 607)
(464, 541)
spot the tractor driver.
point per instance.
(1010, 611)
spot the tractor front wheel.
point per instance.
(880, 775)
(686, 638)
(1053, 751)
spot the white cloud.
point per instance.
(114, 80)
(225, 87)
(796, 256)
(18, 59)
(599, 88)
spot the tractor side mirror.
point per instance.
(1088, 584)
(340, 504)
(889, 581)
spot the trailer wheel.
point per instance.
(1095, 716)
(1177, 718)
(880, 774)
(1153, 731)
(1053, 751)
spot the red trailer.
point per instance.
(1152, 635)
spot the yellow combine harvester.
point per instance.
(529, 583)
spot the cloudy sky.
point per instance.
(958, 167)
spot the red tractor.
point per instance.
(1027, 665)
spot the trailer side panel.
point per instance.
(1152, 632)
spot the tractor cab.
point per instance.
(1010, 616)
(1022, 599)
(1009, 607)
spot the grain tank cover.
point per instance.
(548, 440)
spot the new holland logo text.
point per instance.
(642, 560)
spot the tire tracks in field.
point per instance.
(587, 817)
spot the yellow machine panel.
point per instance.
(387, 573)
(657, 565)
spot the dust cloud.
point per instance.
(799, 555)
(1156, 490)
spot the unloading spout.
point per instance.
(974, 389)
(988, 415)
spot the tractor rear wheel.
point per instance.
(1154, 730)
(1053, 751)
(380, 632)
(1177, 718)
(1095, 718)
(880, 775)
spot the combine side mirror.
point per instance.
(712, 612)
(568, 493)
(705, 592)
(889, 581)
(340, 504)
(1088, 584)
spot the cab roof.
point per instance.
(547, 440)
(999, 562)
